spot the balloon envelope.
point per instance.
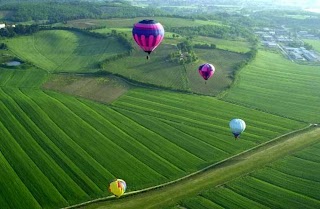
(118, 187)
(237, 126)
(148, 34)
(206, 70)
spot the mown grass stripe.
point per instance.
(290, 182)
(37, 150)
(85, 162)
(102, 148)
(106, 125)
(67, 169)
(200, 203)
(199, 103)
(230, 199)
(38, 184)
(12, 186)
(176, 154)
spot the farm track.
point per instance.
(217, 174)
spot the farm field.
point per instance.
(128, 23)
(224, 63)
(274, 84)
(281, 184)
(190, 192)
(230, 45)
(157, 70)
(161, 72)
(64, 51)
(57, 158)
(98, 88)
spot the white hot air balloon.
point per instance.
(237, 126)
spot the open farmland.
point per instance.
(224, 63)
(65, 51)
(57, 158)
(158, 70)
(128, 23)
(98, 88)
(189, 192)
(273, 84)
(230, 45)
(282, 184)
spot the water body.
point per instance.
(13, 63)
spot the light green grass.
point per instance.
(235, 46)
(274, 84)
(314, 43)
(59, 50)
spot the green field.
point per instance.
(282, 184)
(128, 23)
(234, 46)
(57, 158)
(274, 84)
(158, 70)
(66, 51)
(314, 43)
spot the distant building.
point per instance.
(281, 32)
(267, 38)
(296, 56)
(271, 44)
(2, 25)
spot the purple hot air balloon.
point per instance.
(148, 34)
(206, 70)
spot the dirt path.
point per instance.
(217, 174)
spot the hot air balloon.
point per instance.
(237, 126)
(206, 71)
(148, 34)
(118, 187)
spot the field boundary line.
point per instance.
(194, 173)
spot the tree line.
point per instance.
(10, 31)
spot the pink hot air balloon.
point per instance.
(148, 34)
(206, 70)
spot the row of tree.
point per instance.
(10, 31)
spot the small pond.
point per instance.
(13, 63)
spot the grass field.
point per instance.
(128, 23)
(274, 84)
(158, 70)
(282, 184)
(190, 192)
(234, 46)
(314, 43)
(59, 50)
(58, 150)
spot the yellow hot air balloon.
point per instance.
(118, 187)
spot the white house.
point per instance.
(2, 25)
